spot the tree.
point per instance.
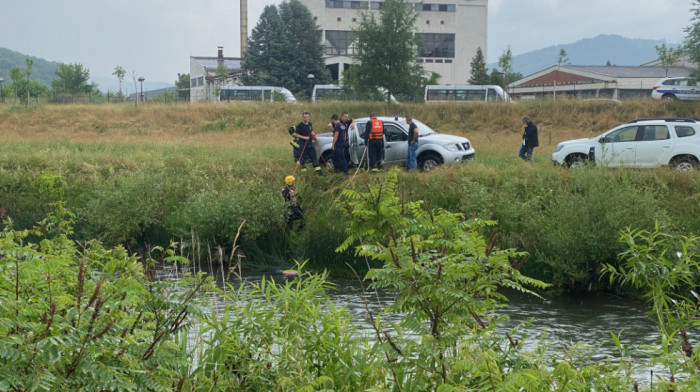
(479, 72)
(221, 73)
(563, 58)
(386, 51)
(692, 37)
(505, 61)
(17, 77)
(72, 79)
(182, 84)
(28, 72)
(119, 72)
(284, 48)
(668, 56)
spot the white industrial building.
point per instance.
(204, 80)
(452, 30)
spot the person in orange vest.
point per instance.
(374, 140)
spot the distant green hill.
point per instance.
(598, 50)
(42, 70)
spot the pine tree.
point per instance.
(284, 48)
(479, 72)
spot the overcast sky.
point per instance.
(156, 37)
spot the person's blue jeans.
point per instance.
(411, 158)
(339, 161)
(526, 153)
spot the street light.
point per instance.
(311, 85)
(141, 79)
(2, 99)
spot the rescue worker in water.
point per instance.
(291, 198)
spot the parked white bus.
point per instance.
(333, 92)
(255, 93)
(464, 93)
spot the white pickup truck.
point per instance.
(434, 149)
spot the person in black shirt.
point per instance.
(304, 132)
(411, 158)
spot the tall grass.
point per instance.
(153, 173)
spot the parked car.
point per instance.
(677, 88)
(434, 149)
(641, 143)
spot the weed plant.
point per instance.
(86, 317)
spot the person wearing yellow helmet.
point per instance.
(292, 199)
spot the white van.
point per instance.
(255, 93)
(464, 93)
(334, 92)
(677, 88)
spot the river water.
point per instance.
(564, 319)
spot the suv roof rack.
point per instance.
(666, 119)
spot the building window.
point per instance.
(338, 42)
(437, 45)
(436, 7)
(347, 4)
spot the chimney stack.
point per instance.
(244, 27)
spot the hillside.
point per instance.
(43, 71)
(590, 51)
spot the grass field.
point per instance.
(157, 172)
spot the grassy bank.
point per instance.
(149, 174)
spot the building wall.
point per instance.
(466, 19)
(198, 83)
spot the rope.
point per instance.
(301, 156)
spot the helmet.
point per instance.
(289, 180)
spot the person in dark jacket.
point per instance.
(411, 159)
(340, 141)
(530, 140)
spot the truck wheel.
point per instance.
(429, 161)
(327, 160)
(576, 161)
(684, 163)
